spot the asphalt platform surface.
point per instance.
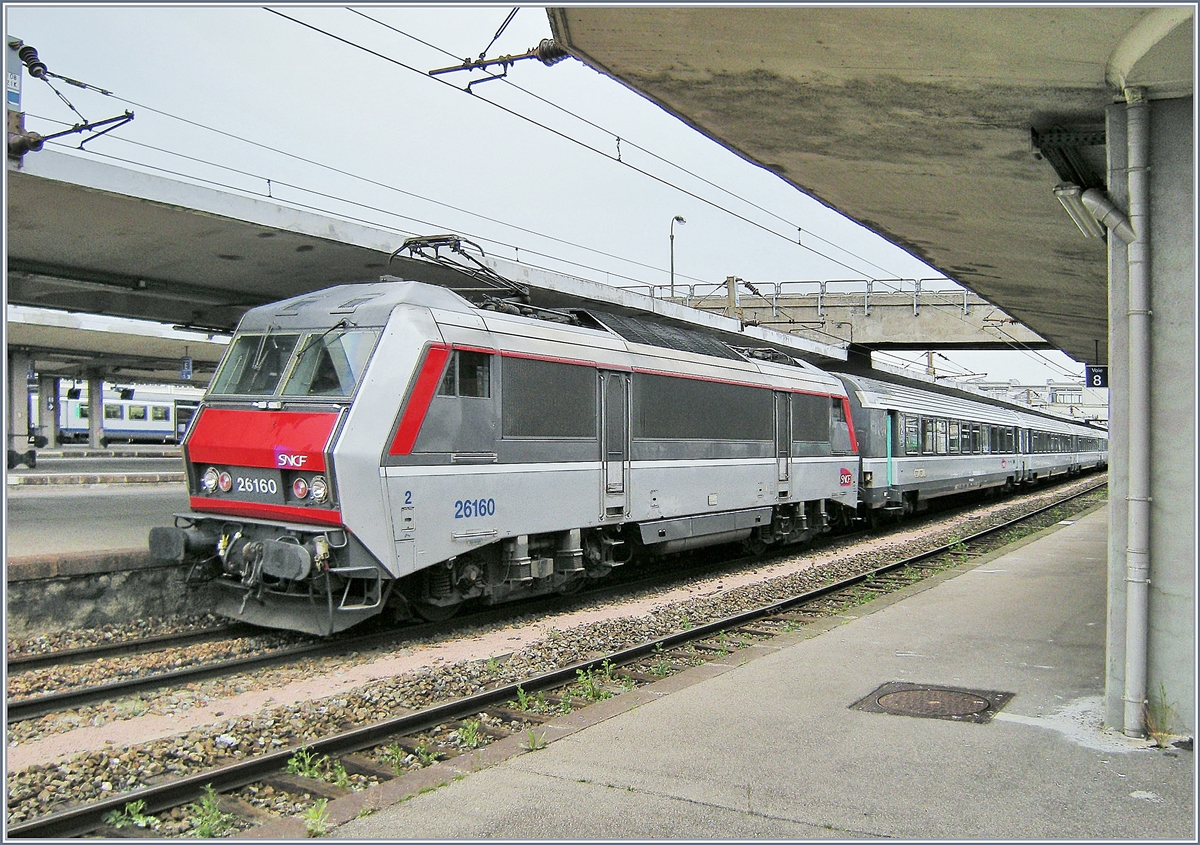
(766, 745)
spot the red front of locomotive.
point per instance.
(266, 526)
(263, 464)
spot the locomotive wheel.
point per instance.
(436, 612)
(570, 588)
(754, 546)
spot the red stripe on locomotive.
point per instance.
(268, 439)
(418, 401)
(262, 510)
(850, 425)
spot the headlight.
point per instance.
(208, 482)
(319, 488)
(300, 488)
(224, 481)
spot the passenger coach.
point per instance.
(917, 445)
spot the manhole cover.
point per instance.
(934, 702)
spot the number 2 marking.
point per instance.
(408, 497)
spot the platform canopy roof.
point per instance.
(944, 129)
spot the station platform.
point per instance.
(764, 744)
(46, 471)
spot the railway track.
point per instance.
(33, 707)
(63, 657)
(717, 637)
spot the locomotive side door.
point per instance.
(614, 441)
(783, 440)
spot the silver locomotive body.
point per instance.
(392, 447)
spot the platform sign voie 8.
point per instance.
(1095, 375)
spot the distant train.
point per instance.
(392, 447)
(134, 415)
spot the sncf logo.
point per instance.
(286, 461)
(846, 478)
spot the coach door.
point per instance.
(783, 440)
(614, 412)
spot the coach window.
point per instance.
(941, 437)
(81, 411)
(985, 438)
(912, 435)
(160, 413)
(954, 443)
(137, 412)
(975, 445)
(468, 374)
(114, 412)
(927, 436)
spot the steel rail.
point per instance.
(86, 818)
(27, 662)
(33, 707)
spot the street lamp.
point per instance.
(674, 220)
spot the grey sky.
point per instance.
(553, 194)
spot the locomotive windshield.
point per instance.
(327, 363)
(331, 363)
(254, 364)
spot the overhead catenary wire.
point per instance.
(626, 141)
(566, 137)
(350, 218)
(369, 181)
(575, 140)
(537, 234)
(516, 114)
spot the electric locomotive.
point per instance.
(393, 448)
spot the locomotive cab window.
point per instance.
(330, 363)
(467, 374)
(254, 364)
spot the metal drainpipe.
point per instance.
(1137, 577)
